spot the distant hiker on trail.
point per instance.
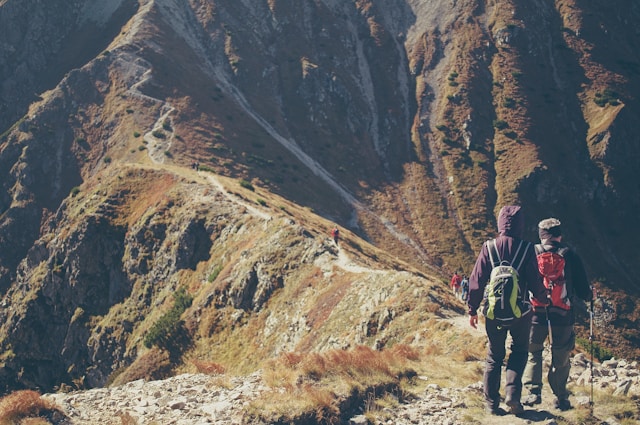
(335, 234)
(464, 288)
(508, 246)
(456, 279)
(566, 278)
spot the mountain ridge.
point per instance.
(409, 124)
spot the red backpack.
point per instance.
(551, 267)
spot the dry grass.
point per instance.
(127, 419)
(208, 368)
(316, 383)
(25, 408)
(605, 405)
(360, 362)
(153, 364)
(34, 421)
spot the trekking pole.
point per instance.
(549, 330)
(593, 296)
(546, 310)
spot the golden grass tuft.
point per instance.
(24, 407)
(360, 361)
(34, 421)
(151, 365)
(316, 383)
(208, 368)
(127, 419)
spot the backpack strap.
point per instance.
(493, 253)
(517, 258)
(561, 251)
(517, 261)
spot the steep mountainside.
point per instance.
(407, 122)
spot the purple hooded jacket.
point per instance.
(510, 229)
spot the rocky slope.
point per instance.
(409, 123)
(192, 399)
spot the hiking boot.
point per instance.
(562, 404)
(515, 408)
(532, 399)
(495, 410)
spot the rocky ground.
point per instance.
(198, 399)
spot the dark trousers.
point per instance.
(564, 340)
(519, 331)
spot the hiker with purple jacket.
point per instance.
(510, 229)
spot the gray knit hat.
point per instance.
(549, 228)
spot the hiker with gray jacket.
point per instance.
(568, 287)
(507, 243)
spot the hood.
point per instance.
(511, 221)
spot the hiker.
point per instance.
(456, 279)
(571, 287)
(507, 243)
(464, 288)
(335, 234)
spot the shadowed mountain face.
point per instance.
(408, 123)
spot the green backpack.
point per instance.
(503, 300)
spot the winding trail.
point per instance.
(252, 208)
(346, 263)
(181, 18)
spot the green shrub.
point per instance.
(163, 332)
(214, 274)
(136, 134)
(262, 202)
(247, 185)
(75, 190)
(107, 159)
(609, 96)
(599, 352)
(182, 299)
(158, 134)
